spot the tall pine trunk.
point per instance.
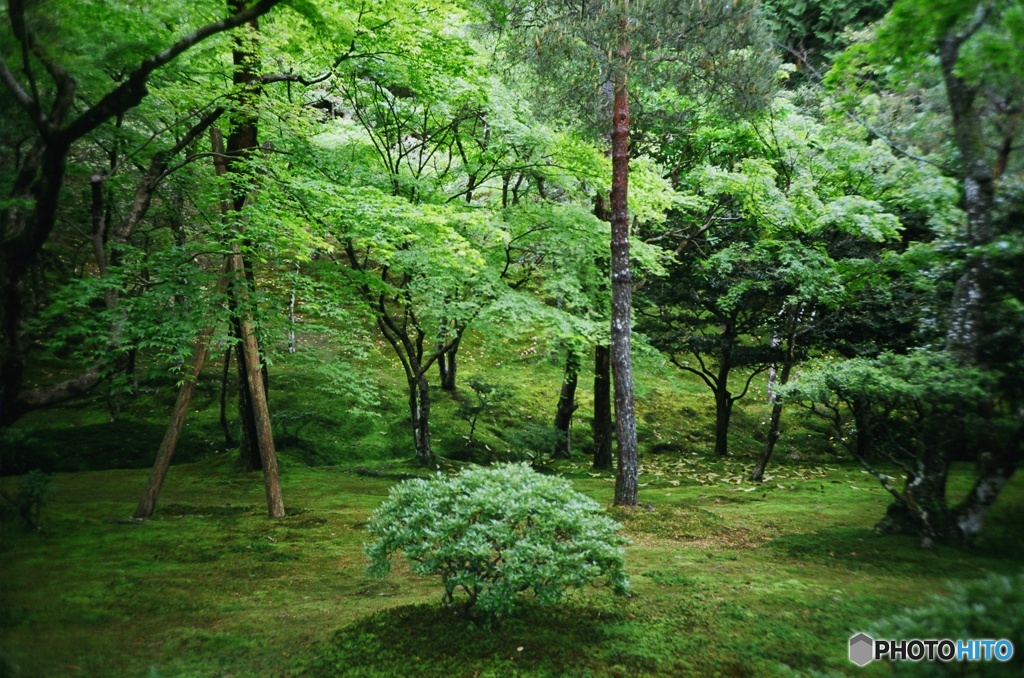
(622, 292)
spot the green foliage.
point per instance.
(534, 441)
(991, 607)
(496, 532)
(35, 490)
(485, 397)
(918, 400)
(813, 28)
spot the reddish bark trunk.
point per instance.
(622, 362)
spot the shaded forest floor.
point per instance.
(728, 578)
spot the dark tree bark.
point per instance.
(865, 429)
(567, 404)
(723, 409)
(447, 360)
(602, 422)
(622, 281)
(419, 412)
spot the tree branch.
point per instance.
(133, 90)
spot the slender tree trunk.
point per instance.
(723, 413)
(451, 370)
(602, 422)
(241, 144)
(567, 404)
(757, 475)
(622, 282)
(248, 444)
(170, 441)
(250, 354)
(419, 412)
(229, 440)
(291, 315)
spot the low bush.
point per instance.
(493, 533)
(989, 608)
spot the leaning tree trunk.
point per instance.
(993, 472)
(622, 282)
(163, 458)
(254, 376)
(566, 404)
(602, 422)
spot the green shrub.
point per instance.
(495, 532)
(992, 607)
(34, 491)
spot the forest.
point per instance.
(679, 337)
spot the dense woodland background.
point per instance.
(773, 249)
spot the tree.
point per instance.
(963, 49)
(30, 210)
(922, 404)
(581, 50)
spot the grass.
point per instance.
(728, 578)
(724, 582)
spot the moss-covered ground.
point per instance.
(728, 578)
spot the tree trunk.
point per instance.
(979, 193)
(993, 472)
(723, 413)
(419, 412)
(757, 475)
(602, 422)
(248, 444)
(241, 145)
(163, 457)
(448, 364)
(229, 440)
(922, 509)
(250, 354)
(567, 404)
(622, 282)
